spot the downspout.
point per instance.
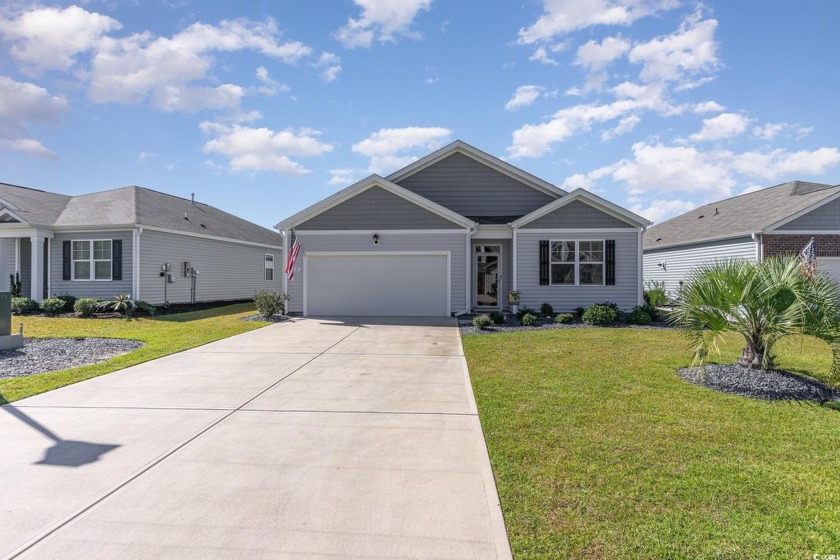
(135, 262)
(284, 260)
(756, 237)
(641, 265)
(468, 247)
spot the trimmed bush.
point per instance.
(546, 309)
(481, 322)
(525, 311)
(497, 318)
(269, 303)
(580, 311)
(86, 307)
(53, 306)
(23, 305)
(638, 317)
(529, 320)
(650, 309)
(69, 300)
(563, 318)
(600, 315)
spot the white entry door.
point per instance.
(382, 284)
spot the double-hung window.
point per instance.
(269, 267)
(92, 260)
(577, 263)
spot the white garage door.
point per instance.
(381, 284)
(831, 265)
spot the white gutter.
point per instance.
(641, 265)
(756, 237)
(468, 257)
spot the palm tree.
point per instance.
(763, 302)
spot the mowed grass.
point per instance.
(600, 450)
(162, 336)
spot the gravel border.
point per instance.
(513, 325)
(40, 355)
(772, 385)
(261, 318)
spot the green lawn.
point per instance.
(161, 335)
(601, 451)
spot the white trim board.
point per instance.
(579, 231)
(371, 232)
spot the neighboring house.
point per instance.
(456, 232)
(116, 242)
(765, 223)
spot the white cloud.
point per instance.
(262, 149)
(381, 20)
(541, 55)
(779, 163)
(659, 210)
(803, 131)
(707, 107)
(768, 131)
(269, 86)
(627, 124)
(676, 57)
(331, 65)
(20, 104)
(141, 66)
(344, 176)
(523, 97)
(596, 56)
(51, 38)
(387, 147)
(725, 125)
(563, 16)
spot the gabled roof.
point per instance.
(132, 207)
(741, 215)
(365, 184)
(461, 147)
(589, 198)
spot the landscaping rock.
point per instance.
(775, 385)
(40, 355)
(261, 318)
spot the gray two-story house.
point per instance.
(456, 232)
(151, 245)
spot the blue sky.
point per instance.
(263, 108)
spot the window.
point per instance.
(92, 260)
(269, 267)
(577, 263)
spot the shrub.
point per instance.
(23, 305)
(600, 314)
(123, 303)
(579, 311)
(481, 322)
(638, 317)
(655, 293)
(529, 320)
(15, 285)
(546, 309)
(86, 307)
(650, 309)
(613, 306)
(69, 300)
(269, 303)
(563, 318)
(53, 306)
(497, 318)
(525, 311)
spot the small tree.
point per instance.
(270, 303)
(763, 302)
(124, 304)
(15, 285)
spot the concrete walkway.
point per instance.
(307, 439)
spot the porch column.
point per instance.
(37, 278)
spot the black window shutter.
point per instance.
(544, 272)
(66, 253)
(116, 256)
(610, 264)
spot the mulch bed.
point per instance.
(774, 385)
(512, 324)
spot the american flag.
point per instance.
(294, 249)
(808, 256)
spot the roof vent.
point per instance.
(658, 239)
(716, 212)
(202, 225)
(192, 199)
(185, 216)
(700, 217)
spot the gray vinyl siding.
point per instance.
(625, 292)
(576, 215)
(824, 218)
(26, 267)
(361, 242)
(89, 288)
(227, 270)
(471, 188)
(376, 208)
(507, 269)
(7, 262)
(680, 261)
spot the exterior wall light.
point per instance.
(376, 239)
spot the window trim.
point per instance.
(92, 261)
(272, 268)
(577, 263)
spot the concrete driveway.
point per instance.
(307, 439)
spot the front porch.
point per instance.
(25, 252)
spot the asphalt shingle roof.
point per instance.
(739, 215)
(129, 206)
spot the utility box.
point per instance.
(5, 313)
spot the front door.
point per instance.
(487, 277)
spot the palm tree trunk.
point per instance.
(752, 356)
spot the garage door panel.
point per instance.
(404, 284)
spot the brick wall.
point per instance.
(774, 245)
